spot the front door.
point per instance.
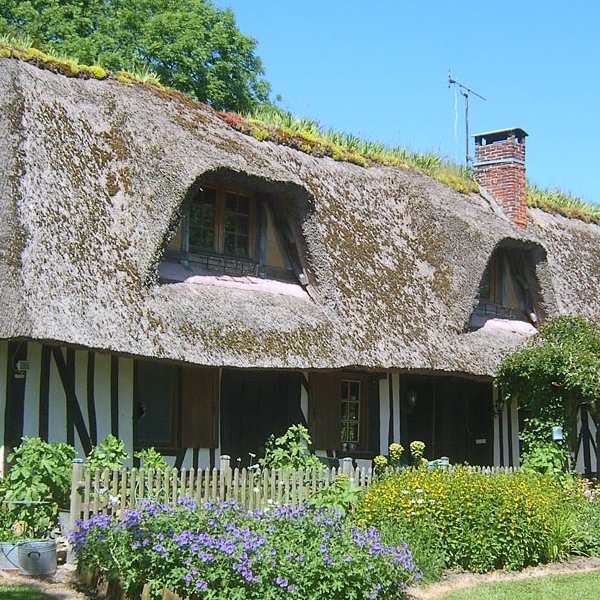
(254, 405)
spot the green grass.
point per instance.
(576, 586)
(22, 592)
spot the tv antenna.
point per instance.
(465, 91)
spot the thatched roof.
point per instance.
(92, 174)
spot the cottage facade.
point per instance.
(179, 284)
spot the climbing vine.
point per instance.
(552, 377)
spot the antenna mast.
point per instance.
(465, 91)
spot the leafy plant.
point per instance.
(485, 521)
(426, 546)
(151, 459)
(417, 452)
(37, 484)
(289, 451)
(222, 551)
(395, 454)
(552, 376)
(341, 495)
(380, 463)
(109, 454)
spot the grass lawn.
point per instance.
(576, 586)
(22, 592)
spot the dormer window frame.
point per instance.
(247, 232)
(509, 287)
(223, 196)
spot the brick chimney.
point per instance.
(500, 169)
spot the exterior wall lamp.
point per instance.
(498, 406)
(412, 400)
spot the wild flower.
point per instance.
(221, 550)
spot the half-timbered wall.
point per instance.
(506, 435)
(63, 394)
(586, 457)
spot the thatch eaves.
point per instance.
(93, 174)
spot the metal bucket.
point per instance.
(9, 556)
(37, 557)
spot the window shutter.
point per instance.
(325, 411)
(199, 402)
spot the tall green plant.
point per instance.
(108, 454)
(289, 451)
(37, 484)
(552, 377)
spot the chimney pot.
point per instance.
(500, 169)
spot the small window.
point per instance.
(156, 397)
(175, 406)
(350, 396)
(220, 221)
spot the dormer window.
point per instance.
(509, 291)
(221, 221)
(232, 227)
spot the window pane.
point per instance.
(236, 238)
(203, 221)
(353, 411)
(154, 396)
(344, 390)
(352, 432)
(350, 405)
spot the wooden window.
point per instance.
(221, 221)
(338, 411)
(176, 407)
(350, 394)
(156, 391)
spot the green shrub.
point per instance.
(220, 550)
(485, 521)
(108, 454)
(290, 451)
(341, 495)
(37, 484)
(424, 542)
(151, 458)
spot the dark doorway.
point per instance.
(454, 417)
(255, 404)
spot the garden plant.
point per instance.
(220, 550)
(483, 521)
(36, 486)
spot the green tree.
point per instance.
(191, 45)
(556, 373)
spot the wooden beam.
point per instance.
(72, 402)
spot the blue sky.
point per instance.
(380, 69)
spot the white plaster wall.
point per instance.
(57, 413)
(304, 398)
(126, 403)
(31, 426)
(102, 394)
(384, 414)
(497, 420)
(514, 415)
(396, 406)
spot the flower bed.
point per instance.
(220, 551)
